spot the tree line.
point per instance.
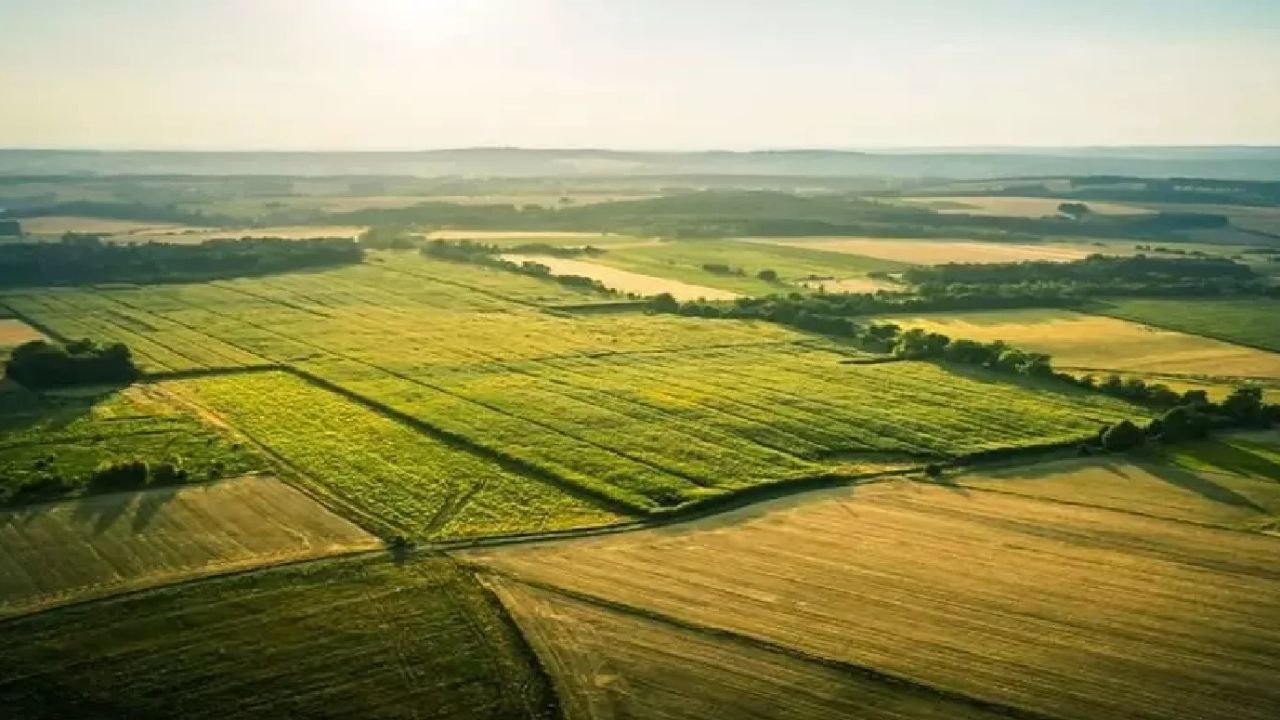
(87, 259)
(479, 253)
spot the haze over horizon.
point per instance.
(404, 75)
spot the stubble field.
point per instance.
(1039, 608)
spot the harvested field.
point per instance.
(1233, 491)
(934, 252)
(1028, 207)
(352, 638)
(624, 281)
(608, 664)
(288, 232)
(15, 332)
(57, 225)
(1055, 609)
(57, 553)
(1095, 343)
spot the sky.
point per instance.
(636, 74)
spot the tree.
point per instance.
(1075, 210)
(1122, 436)
(1183, 423)
(768, 275)
(1244, 405)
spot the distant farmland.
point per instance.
(1036, 607)
(69, 551)
(1090, 342)
(934, 252)
(1030, 207)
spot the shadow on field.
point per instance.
(1238, 457)
(138, 507)
(1203, 486)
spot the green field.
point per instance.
(684, 261)
(347, 639)
(638, 411)
(391, 476)
(1248, 321)
(69, 551)
(50, 445)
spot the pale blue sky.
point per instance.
(679, 74)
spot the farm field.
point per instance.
(933, 252)
(634, 410)
(51, 444)
(550, 237)
(353, 638)
(685, 260)
(14, 333)
(1248, 321)
(57, 225)
(975, 593)
(62, 552)
(1095, 343)
(624, 280)
(609, 664)
(288, 232)
(1231, 481)
(390, 475)
(1029, 207)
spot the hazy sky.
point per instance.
(416, 74)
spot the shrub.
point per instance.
(120, 475)
(169, 473)
(1123, 436)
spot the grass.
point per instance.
(608, 664)
(351, 639)
(1048, 608)
(1096, 343)
(70, 551)
(390, 475)
(684, 261)
(50, 445)
(1246, 321)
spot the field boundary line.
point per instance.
(757, 643)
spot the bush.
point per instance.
(40, 364)
(169, 473)
(120, 475)
(768, 275)
(1123, 436)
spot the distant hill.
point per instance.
(1241, 163)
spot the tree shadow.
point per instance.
(1202, 486)
(1237, 457)
(149, 503)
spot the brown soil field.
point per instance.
(1097, 343)
(15, 332)
(56, 553)
(1031, 207)
(933, 252)
(608, 664)
(625, 280)
(1054, 609)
